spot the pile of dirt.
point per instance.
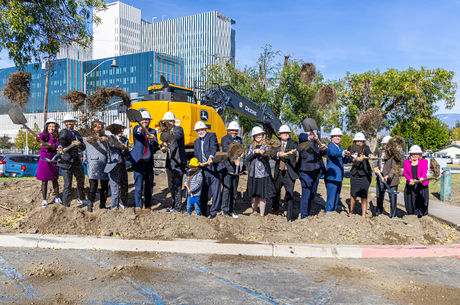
(48, 271)
(156, 223)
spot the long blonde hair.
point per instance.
(262, 142)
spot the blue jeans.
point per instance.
(333, 194)
(309, 182)
(193, 202)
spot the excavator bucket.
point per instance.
(309, 125)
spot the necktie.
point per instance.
(203, 155)
(283, 149)
(73, 134)
(146, 144)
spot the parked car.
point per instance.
(18, 166)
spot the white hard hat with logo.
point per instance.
(169, 116)
(119, 122)
(146, 115)
(257, 130)
(69, 117)
(336, 132)
(359, 137)
(284, 128)
(386, 139)
(233, 126)
(200, 125)
(415, 149)
(51, 120)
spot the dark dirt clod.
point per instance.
(114, 129)
(435, 168)
(235, 150)
(165, 126)
(17, 88)
(326, 96)
(307, 73)
(371, 120)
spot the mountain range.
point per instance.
(449, 118)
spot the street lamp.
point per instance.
(113, 65)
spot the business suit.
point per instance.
(141, 157)
(203, 149)
(334, 174)
(175, 166)
(285, 177)
(229, 178)
(116, 169)
(70, 164)
(310, 164)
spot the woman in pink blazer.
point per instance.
(416, 194)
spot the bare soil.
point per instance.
(23, 196)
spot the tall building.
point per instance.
(201, 39)
(119, 32)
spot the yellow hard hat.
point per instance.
(194, 162)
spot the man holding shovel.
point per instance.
(70, 162)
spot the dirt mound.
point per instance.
(48, 271)
(325, 228)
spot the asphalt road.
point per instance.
(39, 276)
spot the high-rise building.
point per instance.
(119, 32)
(201, 39)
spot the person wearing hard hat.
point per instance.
(205, 148)
(285, 173)
(175, 161)
(385, 164)
(96, 156)
(70, 162)
(336, 156)
(230, 177)
(117, 151)
(310, 164)
(141, 158)
(360, 173)
(193, 181)
(47, 171)
(260, 182)
(416, 195)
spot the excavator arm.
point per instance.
(221, 97)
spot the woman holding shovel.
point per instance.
(47, 171)
(416, 194)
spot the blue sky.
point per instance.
(337, 36)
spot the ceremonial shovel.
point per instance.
(18, 118)
(310, 125)
(135, 115)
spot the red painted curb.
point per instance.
(409, 251)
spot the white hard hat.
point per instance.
(386, 139)
(169, 116)
(146, 115)
(359, 137)
(233, 126)
(284, 128)
(69, 117)
(336, 132)
(200, 125)
(415, 149)
(99, 119)
(257, 130)
(119, 122)
(51, 120)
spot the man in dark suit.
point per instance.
(230, 177)
(285, 173)
(175, 161)
(205, 148)
(70, 162)
(141, 158)
(310, 165)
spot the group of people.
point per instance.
(201, 176)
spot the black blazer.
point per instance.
(176, 153)
(65, 139)
(290, 161)
(311, 159)
(226, 141)
(362, 168)
(210, 146)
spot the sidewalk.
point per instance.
(446, 213)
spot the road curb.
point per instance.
(194, 246)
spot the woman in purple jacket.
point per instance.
(48, 171)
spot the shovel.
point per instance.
(377, 171)
(310, 125)
(18, 118)
(219, 157)
(135, 115)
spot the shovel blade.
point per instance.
(134, 115)
(16, 116)
(309, 125)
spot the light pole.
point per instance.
(113, 65)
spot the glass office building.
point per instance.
(134, 74)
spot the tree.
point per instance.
(408, 97)
(5, 142)
(347, 140)
(35, 30)
(456, 133)
(431, 134)
(21, 142)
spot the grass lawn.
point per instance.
(19, 178)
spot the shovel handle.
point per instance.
(33, 133)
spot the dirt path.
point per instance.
(24, 197)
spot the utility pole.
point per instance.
(47, 81)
